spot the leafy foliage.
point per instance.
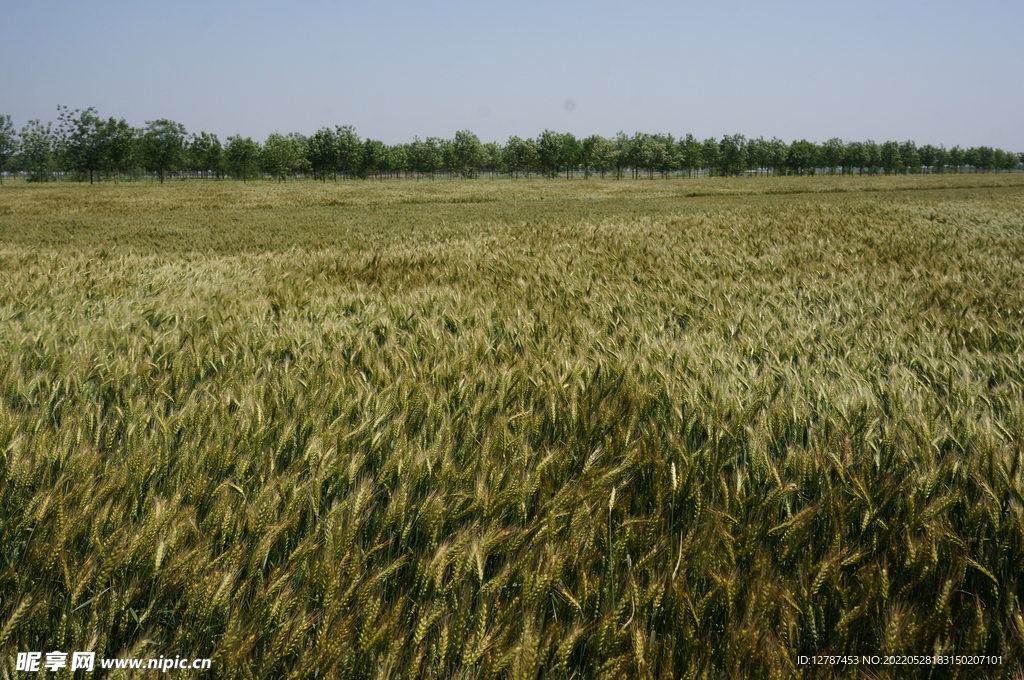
(85, 144)
(242, 157)
(38, 146)
(8, 142)
(163, 146)
(282, 155)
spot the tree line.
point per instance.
(83, 146)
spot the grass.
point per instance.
(515, 429)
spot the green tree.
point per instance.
(926, 157)
(282, 155)
(426, 156)
(298, 141)
(557, 151)
(372, 158)
(665, 159)
(396, 160)
(983, 158)
(38, 144)
(122, 142)
(511, 156)
(531, 157)
(322, 152)
(587, 155)
(8, 143)
(874, 154)
(549, 148)
(710, 153)
(891, 160)
(758, 155)
(855, 156)
(832, 153)
(205, 154)
(623, 153)
(603, 155)
(641, 154)
(998, 158)
(490, 158)
(690, 156)
(1009, 162)
(956, 158)
(971, 158)
(242, 157)
(467, 153)
(414, 156)
(163, 146)
(449, 162)
(802, 157)
(520, 156)
(909, 157)
(732, 154)
(82, 140)
(569, 154)
(778, 152)
(350, 150)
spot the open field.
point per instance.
(515, 429)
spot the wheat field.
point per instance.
(515, 429)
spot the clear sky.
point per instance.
(935, 71)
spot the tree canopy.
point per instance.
(84, 145)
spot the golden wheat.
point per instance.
(515, 429)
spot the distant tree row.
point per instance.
(83, 146)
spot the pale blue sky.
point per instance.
(936, 72)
